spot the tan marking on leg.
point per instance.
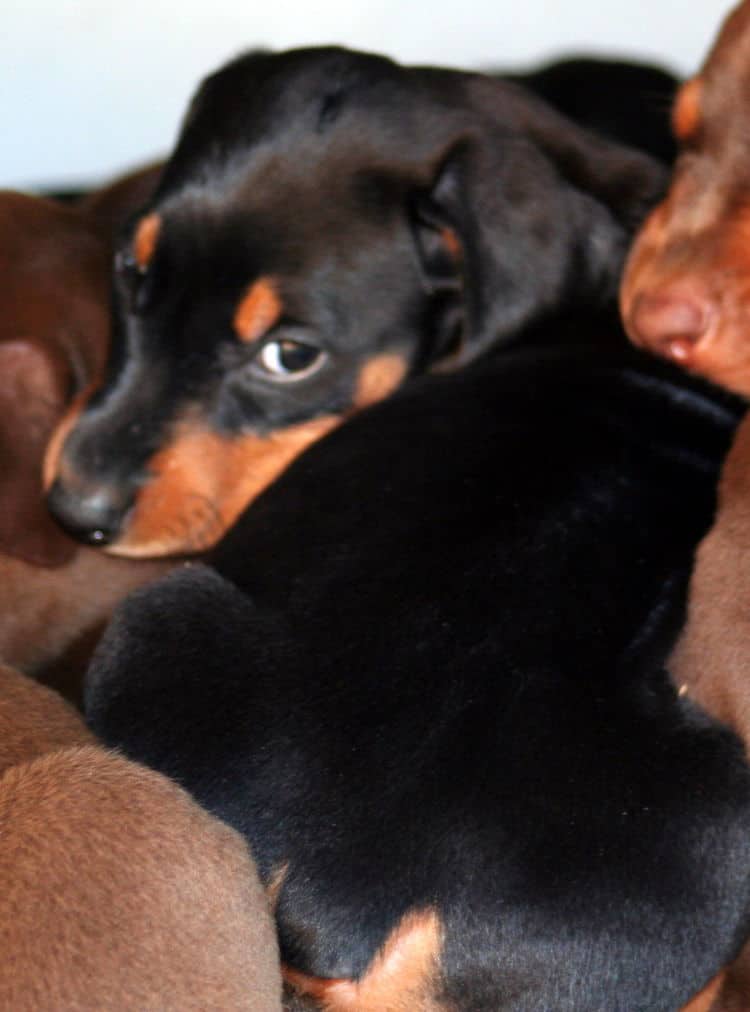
(686, 111)
(258, 311)
(401, 977)
(378, 378)
(202, 481)
(145, 240)
(704, 1000)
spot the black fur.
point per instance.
(629, 102)
(425, 671)
(339, 175)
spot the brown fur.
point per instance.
(112, 205)
(686, 294)
(117, 891)
(50, 618)
(54, 329)
(710, 661)
(733, 994)
(54, 323)
(34, 720)
(686, 288)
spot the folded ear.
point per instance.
(33, 390)
(514, 229)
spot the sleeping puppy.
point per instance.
(330, 224)
(54, 329)
(423, 677)
(116, 890)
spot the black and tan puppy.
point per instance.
(329, 224)
(424, 679)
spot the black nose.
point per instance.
(94, 517)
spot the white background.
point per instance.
(89, 88)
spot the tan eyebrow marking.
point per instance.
(145, 240)
(259, 309)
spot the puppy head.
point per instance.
(329, 223)
(686, 289)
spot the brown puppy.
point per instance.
(688, 264)
(117, 891)
(711, 661)
(686, 290)
(34, 720)
(54, 329)
(686, 295)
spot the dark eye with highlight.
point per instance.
(289, 360)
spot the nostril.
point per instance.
(669, 323)
(95, 518)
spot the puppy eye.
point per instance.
(289, 359)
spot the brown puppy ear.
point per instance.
(517, 227)
(33, 393)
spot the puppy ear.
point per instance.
(33, 389)
(513, 231)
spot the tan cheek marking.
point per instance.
(400, 978)
(202, 482)
(258, 311)
(686, 112)
(705, 998)
(52, 467)
(378, 378)
(145, 240)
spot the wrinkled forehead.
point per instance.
(270, 216)
(322, 111)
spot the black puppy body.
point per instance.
(628, 101)
(427, 687)
(329, 224)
